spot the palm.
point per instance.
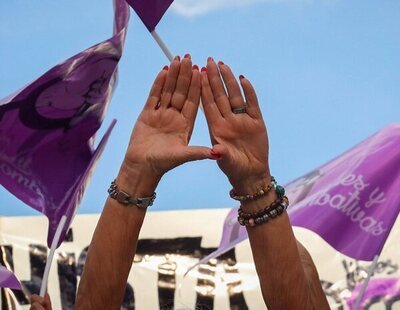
(161, 135)
(162, 138)
(247, 145)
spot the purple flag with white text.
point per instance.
(47, 129)
(150, 11)
(352, 202)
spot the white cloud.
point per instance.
(199, 7)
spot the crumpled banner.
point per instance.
(8, 279)
(47, 129)
(352, 202)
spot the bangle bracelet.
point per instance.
(126, 199)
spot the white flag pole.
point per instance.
(162, 45)
(366, 281)
(51, 255)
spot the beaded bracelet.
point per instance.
(280, 191)
(258, 193)
(272, 211)
(274, 204)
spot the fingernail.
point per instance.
(177, 58)
(220, 63)
(157, 106)
(215, 155)
(210, 59)
(165, 68)
(241, 77)
(204, 69)
(196, 67)
(187, 56)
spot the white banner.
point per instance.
(171, 242)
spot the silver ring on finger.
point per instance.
(239, 110)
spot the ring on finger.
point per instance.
(239, 110)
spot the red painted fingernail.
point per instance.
(241, 77)
(204, 69)
(165, 68)
(220, 63)
(215, 155)
(157, 106)
(210, 59)
(196, 67)
(177, 58)
(187, 56)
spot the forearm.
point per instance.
(113, 246)
(285, 284)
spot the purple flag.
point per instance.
(352, 201)
(150, 11)
(8, 279)
(47, 129)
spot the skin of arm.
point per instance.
(287, 274)
(159, 142)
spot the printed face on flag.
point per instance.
(47, 129)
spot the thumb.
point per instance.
(193, 153)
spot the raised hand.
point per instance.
(159, 141)
(236, 126)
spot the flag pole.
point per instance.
(51, 255)
(162, 45)
(365, 284)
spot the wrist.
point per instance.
(253, 206)
(137, 180)
(251, 184)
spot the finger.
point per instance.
(36, 298)
(191, 106)
(47, 301)
(235, 95)
(252, 108)
(217, 87)
(170, 82)
(182, 84)
(211, 111)
(156, 89)
(36, 306)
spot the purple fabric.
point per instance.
(378, 288)
(47, 129)
(150, 11)
(8, 279)
(352, 201)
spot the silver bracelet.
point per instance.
(126, 199)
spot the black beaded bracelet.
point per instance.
(271, 212)
(274, 204)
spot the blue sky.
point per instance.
(326, 72)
